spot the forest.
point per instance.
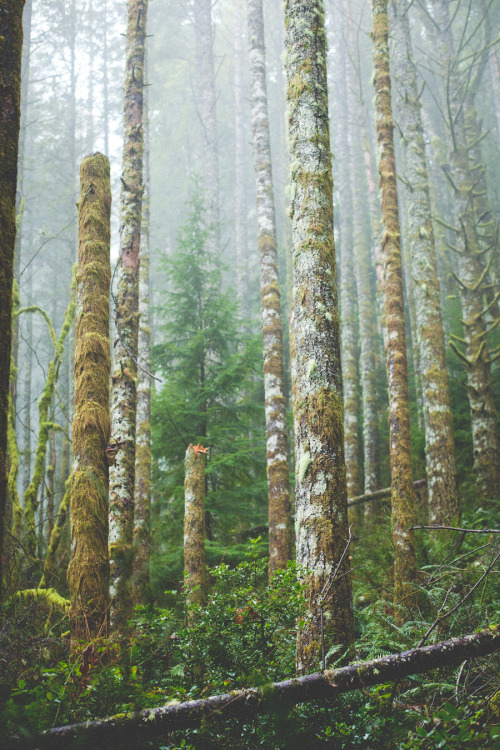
(249, 374)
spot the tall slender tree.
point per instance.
(206, 102)
(270, 295)
(321, 495)
(88, 573)
(142, 509)
(124, 377)
(348, 308)
(444, 505)
(11, 34)
(402, 493)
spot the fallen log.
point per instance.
(125, 729)
(378, 494)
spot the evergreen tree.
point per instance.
(212, 395)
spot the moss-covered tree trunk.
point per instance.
(124, 376)
(88, 572)
(206, 101)
(472, 348)
(444, 505)
(402, 494)
(348, 311)
(44, 427)
(194, 524)
(142, 509)
(321, 496)
(280, 541)
(11, 42)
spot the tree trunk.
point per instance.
(157, 722)
(31, 493)
(124, 394)
(88, 572)
(206, 102)
(194, 525)
(142, 510)
(321, 496)
(280, 541)
(402, 496)
(444, 503)
(348, 311)
(362, 272)
(240, 208)
(470, 270)
(20, 191)
(11, 34)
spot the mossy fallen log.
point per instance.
(114, 731)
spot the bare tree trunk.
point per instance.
(444, 503)
(88, 572)
(321, 496)
(402, 497)
(124, 394)
(194, 525)
(240, 209)
(280, 541)
(206, 102)
(348, 311)
(362, 273)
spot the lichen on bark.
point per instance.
(280, 541)
(124, 376)
(88, 572)
(195, 576)
(402, 494)
(321, 496)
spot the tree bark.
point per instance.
(142, 510)
(321, 496)
(124, 377)
(194, 525)
(243, 704)
(280, 536)
(444, 503)
(88, 572)
(11, 36)
(402, 495)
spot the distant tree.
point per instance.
(212, 395)
(321, 495)
(206, 104)
(11, 34)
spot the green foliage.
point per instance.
(212, 394)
